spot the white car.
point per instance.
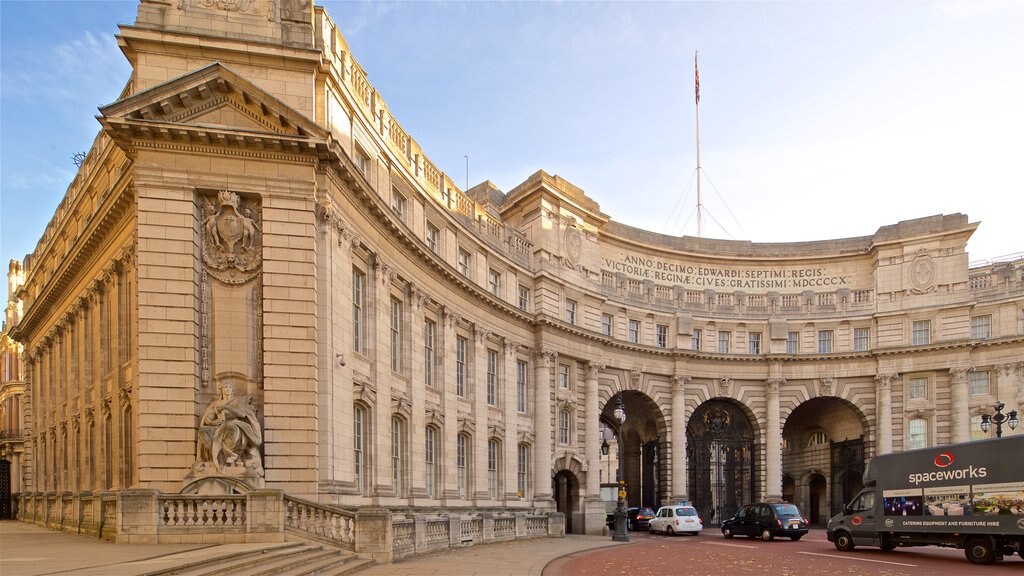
(672, 520)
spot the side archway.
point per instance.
(721, 459)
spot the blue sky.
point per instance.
(819, 120)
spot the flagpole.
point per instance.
(696, 92)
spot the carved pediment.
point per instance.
(212, 105)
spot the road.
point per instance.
(711, 555)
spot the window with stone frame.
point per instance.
(396, 335)
(492, 378)
(792, 342)
(917, 389)
(564, 376)
(564, 422)
(521, 386)
(570, 311)
(398, 203)
(523, 471)
(861, 339)
(358, 317)
(493, 468)
(463, 262)
(524, 298)
(398, 455)
(661, 335)
(724, 339)
(917, 434)
(981, 327)
(359, 447)
(695, 339)
(825, 341)
(462, 451)
(433, 237)
(754, 342)
(430, 458)
(429, 353)
(634, 331)
(494, 281)
(607, 324)
(461, 345)
(922, 332)
(979, 382)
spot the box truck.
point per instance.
(968, 496)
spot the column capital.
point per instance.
(679, 382)
(481, 333)
(884, 380)
(545, 355)
(593, 369)
(511, 346)
(959, 373)
(773, 384)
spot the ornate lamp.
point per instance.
(1010, 419)
(621, 534)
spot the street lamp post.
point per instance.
(621, 534)
(1010, 418)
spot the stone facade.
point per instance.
(251, 213)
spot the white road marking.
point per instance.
(730, 545)
(858, 559)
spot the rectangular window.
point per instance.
(724, 337)
(358, 289)
(429, 357)
(563, 427)
(396, 455)
(398, 204)
(570, 311)
(494, 280)
(918, 434)
(431, 471)
(824, 341)
(521, 383)
(358, 416)
(396, 335)
(563, 376)
(792, 343)
(362, 162)
(661, 335)
(607, 323)
(433, 238)
(754, 342)
(979, 382)
(461, 459)
(634, 331)
(861, 339)
(922, 332)
(463, 262)
(917, 388)
(524, 298)
(523, 471)
(492, 378)
(981, 327)
(492, 469)
(695, 339)
(460, 366)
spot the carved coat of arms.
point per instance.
(232, 240)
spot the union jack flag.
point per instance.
(696, 79)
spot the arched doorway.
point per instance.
(720, 460)
(6, 510)
(644, 466)
(817, 493)
(824, 437)
(566, 489)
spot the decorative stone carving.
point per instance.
(959, 374)
(825, 386)
(593, 369)
(774, 384)
(545, 355)
(884, 381)
(634, 379)
(364, 392)
(232, 239)
(680, 382)
(922, 273)
(725, 386)
(573, 245)
(230, 436)
(526, 437)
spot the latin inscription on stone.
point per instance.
(818, 278)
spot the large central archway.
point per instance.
(720, 460)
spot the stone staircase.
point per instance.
(287, 559)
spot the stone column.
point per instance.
(679, 477)
(592, 441)
(508, 409)
(883, 405)
(449, 402)
(480, 439)
(378, 335)
(418, 301)
(543, 448)
(773, 441)
(959, 395)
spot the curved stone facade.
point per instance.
(252, 214)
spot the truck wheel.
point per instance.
(888, 546)
(767, 535)
(844, 542)
(980, 551)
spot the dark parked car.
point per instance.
(637, 518)
(766, 520)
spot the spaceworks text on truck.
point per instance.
(968, 495)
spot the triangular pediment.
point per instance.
(212, 99)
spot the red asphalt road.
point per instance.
(710, 554)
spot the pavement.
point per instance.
(30, 550)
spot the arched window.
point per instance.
(462, 462)
(397, 454)
(817, 438)
(493, 467)
(523, 471)
(430, 453)
(359, 447)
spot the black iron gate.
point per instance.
(720, 460)
(650, 492)
(847, 461)
(6, 513)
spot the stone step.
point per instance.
(291, 559)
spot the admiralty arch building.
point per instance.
(259, 280)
